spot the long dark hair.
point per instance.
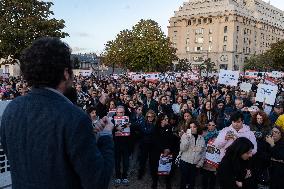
(240, 146)
(235, 151)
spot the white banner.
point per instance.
(137, 77)
(276, 74)
(152, 76)
(245, 87)
(266, 93)
(228, 77)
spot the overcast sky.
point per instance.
(91, 23)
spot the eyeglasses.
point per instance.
(150, 116)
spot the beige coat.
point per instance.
(193, 153)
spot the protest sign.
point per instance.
(122, 121)
(111, 112)
(266, 93)
(228, 77)
(5, 176)
(212, 155)
(245, 87)
(165, 164)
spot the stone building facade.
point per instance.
(226, 31)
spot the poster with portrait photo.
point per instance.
(122, 121)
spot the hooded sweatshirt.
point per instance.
(223, 144)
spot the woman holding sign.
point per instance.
(161, 162)
(212, 154)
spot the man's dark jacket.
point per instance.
(50, 144)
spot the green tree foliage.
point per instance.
(207, 66)
(144, 47)
(276, 55)
(260, 62)
(21, 22)
(183, 65)
(273, 59)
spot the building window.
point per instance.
(205, 20)
(225, 48)
(175, 23)
(210, 39)
(238, 28)
(210, 31)
(210, 20)
(199, 40)
(187, 41)
(187, 49)
(175, 33)
(6, 69)
(225, 38)
(197, 49)
(226, 19)
(210, 48)
(199, 31)
(225, 29)
(189, 22)
(199, 21)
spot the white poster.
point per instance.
(165, 164)
(122, 121)
(245, 87)
(212, 155)
(228, 77)
(266, 93)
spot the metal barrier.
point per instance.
(5, 177)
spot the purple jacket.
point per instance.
(223, 144)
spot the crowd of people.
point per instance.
(182, 119)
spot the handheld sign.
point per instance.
(266, 93)
(111, 112)
(228, 77)
(245, 87)
(212, 155)
(122, 121)
(165, 164)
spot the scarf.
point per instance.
(210, 135)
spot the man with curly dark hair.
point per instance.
(48, 140)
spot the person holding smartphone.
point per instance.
(229, 134)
